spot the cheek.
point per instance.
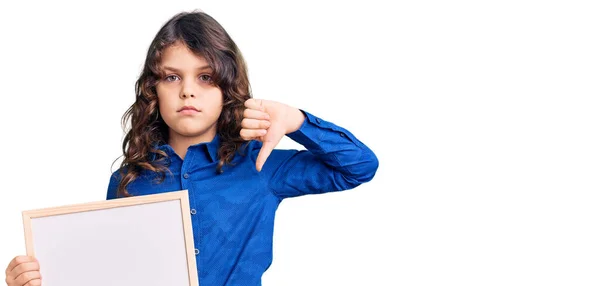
(217, 100)
(161, 104)
(220, 96)
(163, 100)
(161, 108)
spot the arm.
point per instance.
(335, 160)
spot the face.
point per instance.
(189, 102)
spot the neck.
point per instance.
(180, 143)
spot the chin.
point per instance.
(189, 128)
(191, 132)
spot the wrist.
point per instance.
(295, 120)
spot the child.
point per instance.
(195, 126)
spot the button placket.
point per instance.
(185, 167)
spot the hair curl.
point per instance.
(204, 36)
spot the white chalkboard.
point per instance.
(143, 240)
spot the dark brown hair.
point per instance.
(204, 36)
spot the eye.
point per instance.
(171, 78)
(206, 78)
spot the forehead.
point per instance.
(181, 57)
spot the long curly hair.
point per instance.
(203, 35)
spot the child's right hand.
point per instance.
(23, 271)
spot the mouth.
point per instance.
(188, 109)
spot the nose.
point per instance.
(187, 90)
(185, 95)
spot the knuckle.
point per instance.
(17, 270)
(22, 268)
(20, 259)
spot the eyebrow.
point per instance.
(176, 70)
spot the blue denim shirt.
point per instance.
(233, 213)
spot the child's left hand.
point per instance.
(268, 121)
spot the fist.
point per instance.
(268, 121)
(23, 271)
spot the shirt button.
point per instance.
(318, 120)
(193, 211)
(186, 175)
(342, 134)
(196, 251)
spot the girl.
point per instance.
(194, 125)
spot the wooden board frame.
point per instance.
(181, 196)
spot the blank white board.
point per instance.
(144, 240)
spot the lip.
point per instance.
(188, 110)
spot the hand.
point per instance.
(23, 271)
(268, 121)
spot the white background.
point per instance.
(484, 116)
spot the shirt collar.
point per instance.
(211, 148)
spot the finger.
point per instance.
(264, 153)
(256, 114)
(256, 104)
(255, 124)
(250, 134)
(34, 282)
(27, 277)
(25, 267)
(18, 260)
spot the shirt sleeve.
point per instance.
(334, 160)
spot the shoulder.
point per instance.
(116, 176)
(141, 181)
(113, 184)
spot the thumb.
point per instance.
(264, 153)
